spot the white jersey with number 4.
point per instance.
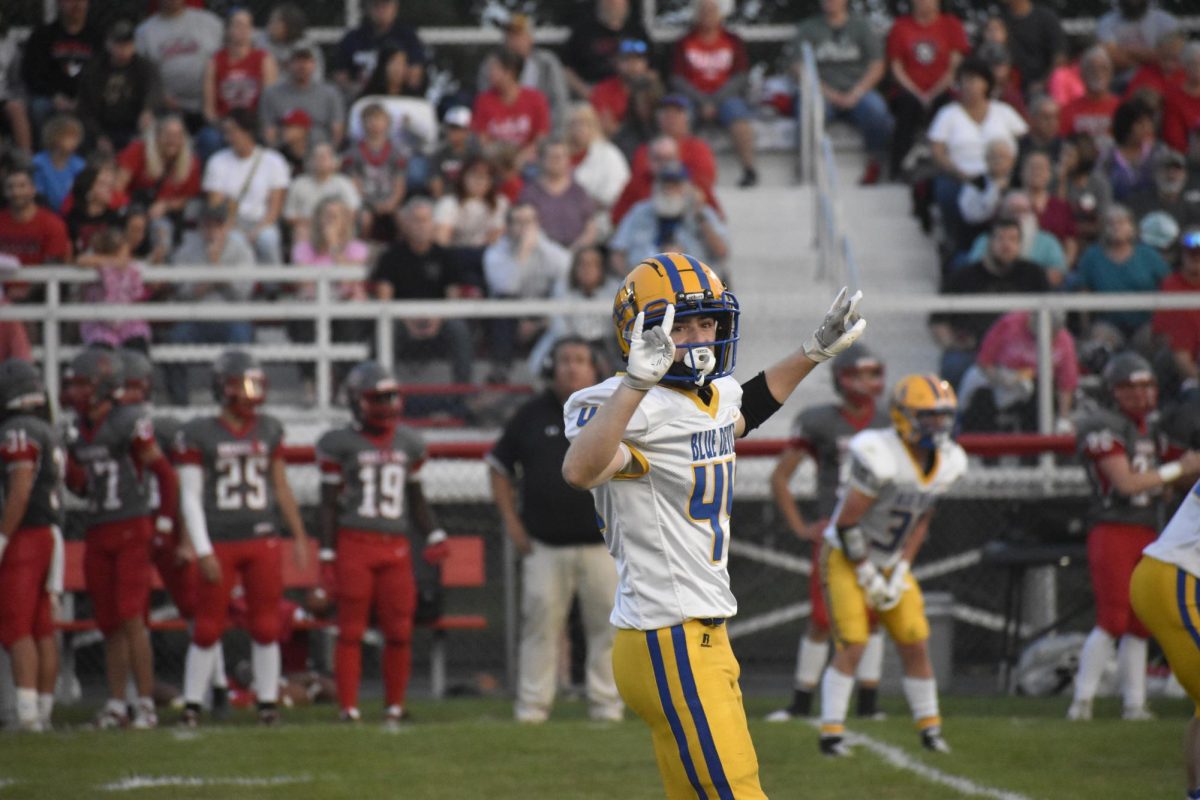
(666, 517)
(1179, 543)
(882, 466)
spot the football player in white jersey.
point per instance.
(882, 517)
(1165, 592)
(656, 447)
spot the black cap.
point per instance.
(121, 31)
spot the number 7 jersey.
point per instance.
(239, 496)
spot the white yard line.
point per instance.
(134, 782)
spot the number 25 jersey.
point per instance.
(239, 496)
(666, 517)
(372, 472)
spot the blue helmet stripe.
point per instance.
(701, 275)
(664, 261)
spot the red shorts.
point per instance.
(258, 564)
(24, 601)
(180, 580)
(116, 569)
(1114, 549)
(816, 596)
(374, 566)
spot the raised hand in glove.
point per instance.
(651, 352)
(841, 328)
(873, 584)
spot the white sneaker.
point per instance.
(394, 718)
(110, 719)
(145, 717)
(350, 715)
(1137, 714)
(1080, 711)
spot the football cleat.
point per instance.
(1137, 714)
(395, 717)
(1080, 711)
(110, 719)
(268, 716)
(145, 717)
(352, 715)
(931, 740)
(190, 718)
(834, 747)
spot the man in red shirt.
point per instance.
(1164, 71)
(1181, 111)
(1181, 328)
(923, 51)
(509, 112)
(711, 68)
(1092, 114)
(610, 97)
(29, 233)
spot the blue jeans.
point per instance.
(872, 118)
(200, 332)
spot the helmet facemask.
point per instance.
(379, 409)
(931, 428)
(700, 363)
(245, 392)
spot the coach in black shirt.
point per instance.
(556, 532)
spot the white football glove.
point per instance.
(841, 328)
(873, 584)
(897, 584)
(650, 353)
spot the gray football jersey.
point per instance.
(1106, 433)
(372, 473)
(116, 488)
(28, 439)
(825, 433)
(239, 497)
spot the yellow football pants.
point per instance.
(683, 681)
(1167, 601)
(849, 617)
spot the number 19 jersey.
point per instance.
(372, 473)
(239, 496)
(665, 518)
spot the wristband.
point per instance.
(1170, 472)
(436, 537)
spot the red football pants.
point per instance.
(180, 580)
(374, 566)
(1114, 550)
(24, 601)
(116, 570)
(816, 595)
(259, 565)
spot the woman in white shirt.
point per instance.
(600, 167)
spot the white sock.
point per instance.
(265, 660)
(1093, 658)
(921, 694)
(1131, 661)
(809, 663)
(836, 689)
(870, 666)
(45, 706)
(219, 679)
(27, 706)
(197, 672)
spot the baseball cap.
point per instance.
(458, 117)
(675, 101)
(1170, 158)
(632, 47)
(298, 117)
(121, 31)
(1158, 229)
(674, 171)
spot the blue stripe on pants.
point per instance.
(707, 745)
(1181, 597)
(664, 694)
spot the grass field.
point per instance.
(1003, 747)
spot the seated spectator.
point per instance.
(119, 280)
(287, 28)
(119, 92)
(160, 171)
(1053, 213)
(473, 214)
(850, 62)
(524, 263)
(1171, 192)
(662, 153)
(599, 166)
(999, 392)
(509, 112)
(1159, 230)
(979, 199)
(56, 167)
(15, 116)
(1181, 106)
(236, 75)
(295, 140)
(674, 219)
(358, 51)
(642, 118)
(219, 244)
(1037, 245)
(1130, 163)
(29, 233)
(1093, 112)
(1085, 189)
(146, 243)
(1180, 328)
(376, 166)
(589, 279)
(54, 57)
(1002, 270)
(589, 56)
(1006, 83)
(1043, 135)
(416, 267)
(1036, 40)
(90, 207)
(321, 181)
(610, 97)
(180, 40)
(300, 90)
(711, 67)
(1066, 83)
(1131, 31)
(390, 76)
(1165, 71)
(543, 71)
(924, 50)
(1119, 263)
(458, 146)
(565, 211)
(252, 180)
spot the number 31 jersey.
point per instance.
(29, 440)
(372, 472)
(882, 466)
(239, 496)
(666, 517)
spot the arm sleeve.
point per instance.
(191, 500)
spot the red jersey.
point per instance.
(522, 123)
(610, 98)
(1090, 116)
(43, 239)
(1181, 118)
(133, 160)
(924, 51)
(1180, 327)
(239, 82)
(1151, 76)
(709, 64)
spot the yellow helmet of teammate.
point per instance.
(695, 290)
(923, 409)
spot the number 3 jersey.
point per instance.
(372, 472)
(239, 496)
(882, 467)
(116, 488)
(29, 440)
(665, 517)
(1107, 433)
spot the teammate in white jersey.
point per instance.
(882, 517)
(656, 447)
(1165, 592)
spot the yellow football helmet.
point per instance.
(695, 290)
(923, 409)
